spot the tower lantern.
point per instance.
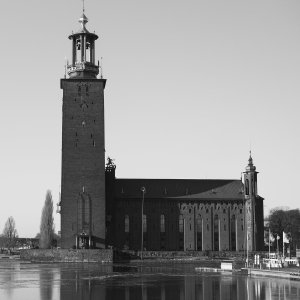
(83, 52)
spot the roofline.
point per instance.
(177, 179)
(180, 199)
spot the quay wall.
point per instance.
(67, 255)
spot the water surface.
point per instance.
(132, 281)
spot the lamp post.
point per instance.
(143, 190)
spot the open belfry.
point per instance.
(83, 165)
(99, 210)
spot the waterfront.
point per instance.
(20, 280)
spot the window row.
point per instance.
(199, 224)
(162, 223)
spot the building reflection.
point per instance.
(137, 286)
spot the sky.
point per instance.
(192, 86)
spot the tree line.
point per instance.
(287, 221)
(47, 237)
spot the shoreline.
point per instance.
(205, 265)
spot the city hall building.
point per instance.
(99, 210)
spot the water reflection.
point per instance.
(128, 282)
(171, 284)
(46, 283)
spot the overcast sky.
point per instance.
(191, 87)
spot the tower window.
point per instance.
(87, 90)
(83, 123)
(79, 90)
(94, 143)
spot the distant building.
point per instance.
(100, 210)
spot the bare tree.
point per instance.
(10, 233)
(47, 225)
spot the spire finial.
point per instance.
(83, 6)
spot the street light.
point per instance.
(143, 190)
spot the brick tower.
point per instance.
(250, 181)
(83, 166)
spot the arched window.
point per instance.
(126, 223)
(247, 186)
(162, 223)
(144, 223)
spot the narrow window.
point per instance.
(87, 90)
(126, 223)
(79, 90)
(233, 233)
(144, 223)
(180, 223)
(94, 143)
(216, 233)
(247, 186)
(199, 233)
(162, 223)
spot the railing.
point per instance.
(82, 66)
